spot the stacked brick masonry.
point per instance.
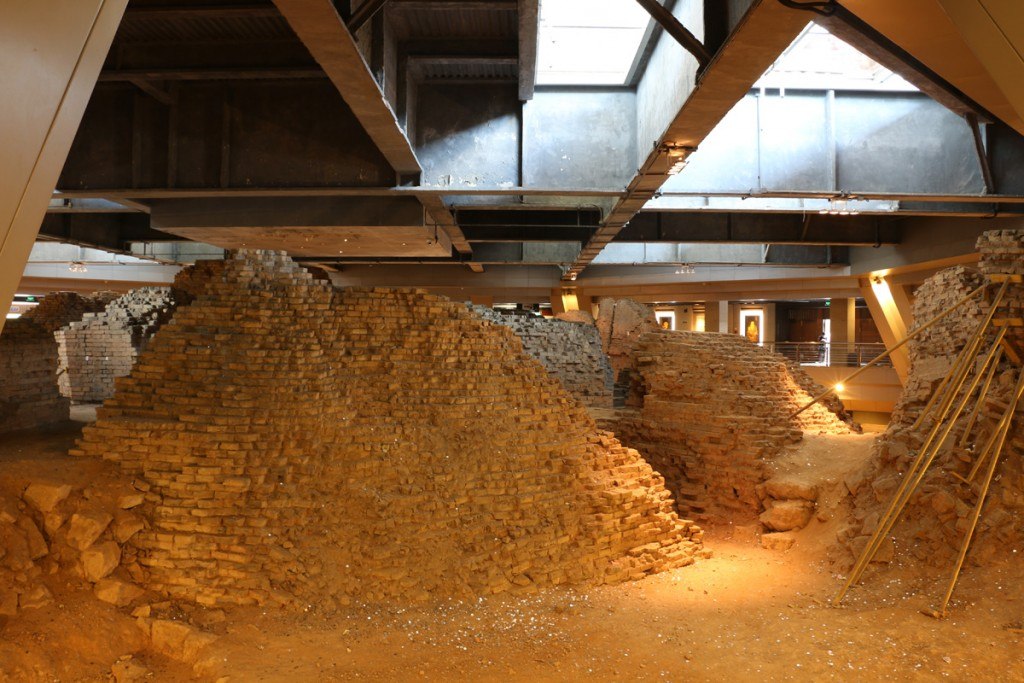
(304, 443)
(60, 309)
(621, 323)
(103, 346)
(570, 351)
(932, 527)
(710, 412)
(28, 368)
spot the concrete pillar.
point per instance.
(769, 323)
(556, 301)
(723, 316)
(51, 52)
(891, 324)
(711, 316)
(843, 313)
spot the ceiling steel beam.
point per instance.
(324, 34)
(851, 29)
(169, 12)
(364, 13)
(454, 5)
(762, 34)
(528, 30)
(211, 74)
(118, 194)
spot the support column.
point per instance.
(843, 313)
(716, 316)
(891, 324)
(51, 52)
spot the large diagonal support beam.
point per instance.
(51, 52)
(761, 36)
(322, 30)
(325, 35)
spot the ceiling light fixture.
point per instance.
(685, 269)
(77, 267)
(839, 207)
(678, 155)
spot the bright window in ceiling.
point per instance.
(588, 42)
(818, 60)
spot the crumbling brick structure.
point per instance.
(28, 368)
(103, 346)
(570, 351)
(301, 443)
(932, 526)
(60, 309)
(710, 411)
(621, 323)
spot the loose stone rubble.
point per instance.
(570, 351)
(56, 527)
(932, 527)
(103, 346)
(621, 323)
(710, 411)
(297, 443)
(28, 377)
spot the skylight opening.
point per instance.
(589, 42)
(817, 60)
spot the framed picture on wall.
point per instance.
(666, 319)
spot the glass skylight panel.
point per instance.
(818, 60)
(588, 42)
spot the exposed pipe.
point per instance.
(674, 28)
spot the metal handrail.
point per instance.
(828, 354)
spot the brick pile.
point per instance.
(570, 351)
(932, 526)
(28, 366)
(102, 346)
(307, 444)
(60, 309)
(621, 323)
(710, 411)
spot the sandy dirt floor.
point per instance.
(745, 614)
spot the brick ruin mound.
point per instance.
(28, 367)
(621, 323)
(583, 317)
(710, 412)
(60, 309)
(570, 351)
(103, 345)
(932, 526)
(298, 443)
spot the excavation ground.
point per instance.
(745, 614)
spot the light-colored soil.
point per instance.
(746, 614)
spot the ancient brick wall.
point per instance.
(59, 309)
(621, 323)
(28, 377)
(302, 443)
(103, 346)
(932, 527)
(570, 351)
(711, 411)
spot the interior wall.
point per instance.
(926, 238)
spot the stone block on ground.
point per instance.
(787, 515)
